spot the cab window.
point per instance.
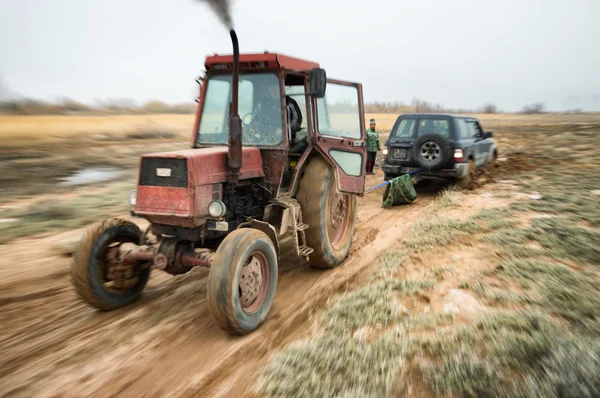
(259, 107)
(339, 112)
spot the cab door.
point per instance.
(340, 134)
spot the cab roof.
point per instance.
(264, 60)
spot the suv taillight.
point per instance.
(458, 155)
(385, 151)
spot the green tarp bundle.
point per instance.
(400, 191)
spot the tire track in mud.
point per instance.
(229, 378)
(166, 344)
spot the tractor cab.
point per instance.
(288, 110)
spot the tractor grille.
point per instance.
(164, 172)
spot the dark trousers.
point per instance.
(371, 156)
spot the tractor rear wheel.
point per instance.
(96, 273)
(242, 281)
(330, 215)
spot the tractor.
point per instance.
(288, 170)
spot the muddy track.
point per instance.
(166, 344)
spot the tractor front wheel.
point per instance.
(242, 280)
(96, 272)
(330, 215)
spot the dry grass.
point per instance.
(19, 131)
(540, 333)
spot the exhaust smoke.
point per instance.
(222, 9)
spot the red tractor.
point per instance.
(290, 168)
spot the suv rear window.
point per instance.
(435, 126)
(406, 128)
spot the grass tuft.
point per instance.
(566, 241)
(335, 366)
(435, 231)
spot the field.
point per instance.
(489, 292)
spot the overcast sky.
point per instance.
(459, 53)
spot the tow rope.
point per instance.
(383, 184)
(399, 191)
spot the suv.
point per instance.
(441, 146)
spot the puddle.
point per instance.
(88, 176)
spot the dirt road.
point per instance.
(166, 344)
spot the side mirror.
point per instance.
(317, 82)
(489, 134)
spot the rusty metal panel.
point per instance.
(293, 63)
(209, 165)
(203, 195)
(215, 61)
(345, 183)
(264, 60)
(164, 201)
(199, 112)
(176, 221)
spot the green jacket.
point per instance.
(373, 144)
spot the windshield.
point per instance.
(259, 107)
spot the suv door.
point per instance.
(479, 152)
(485, 144)
(340, 134)
(464, 138)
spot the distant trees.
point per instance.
(489, 108)
(421, 106)
(70, 105)
(388, 107)
(416, 105)
(535, 108)
(121, 106)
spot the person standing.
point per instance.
(373, 146)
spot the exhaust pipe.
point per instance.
(234, 161)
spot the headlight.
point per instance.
(132, 196)
(385, 151)
(216, 209)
